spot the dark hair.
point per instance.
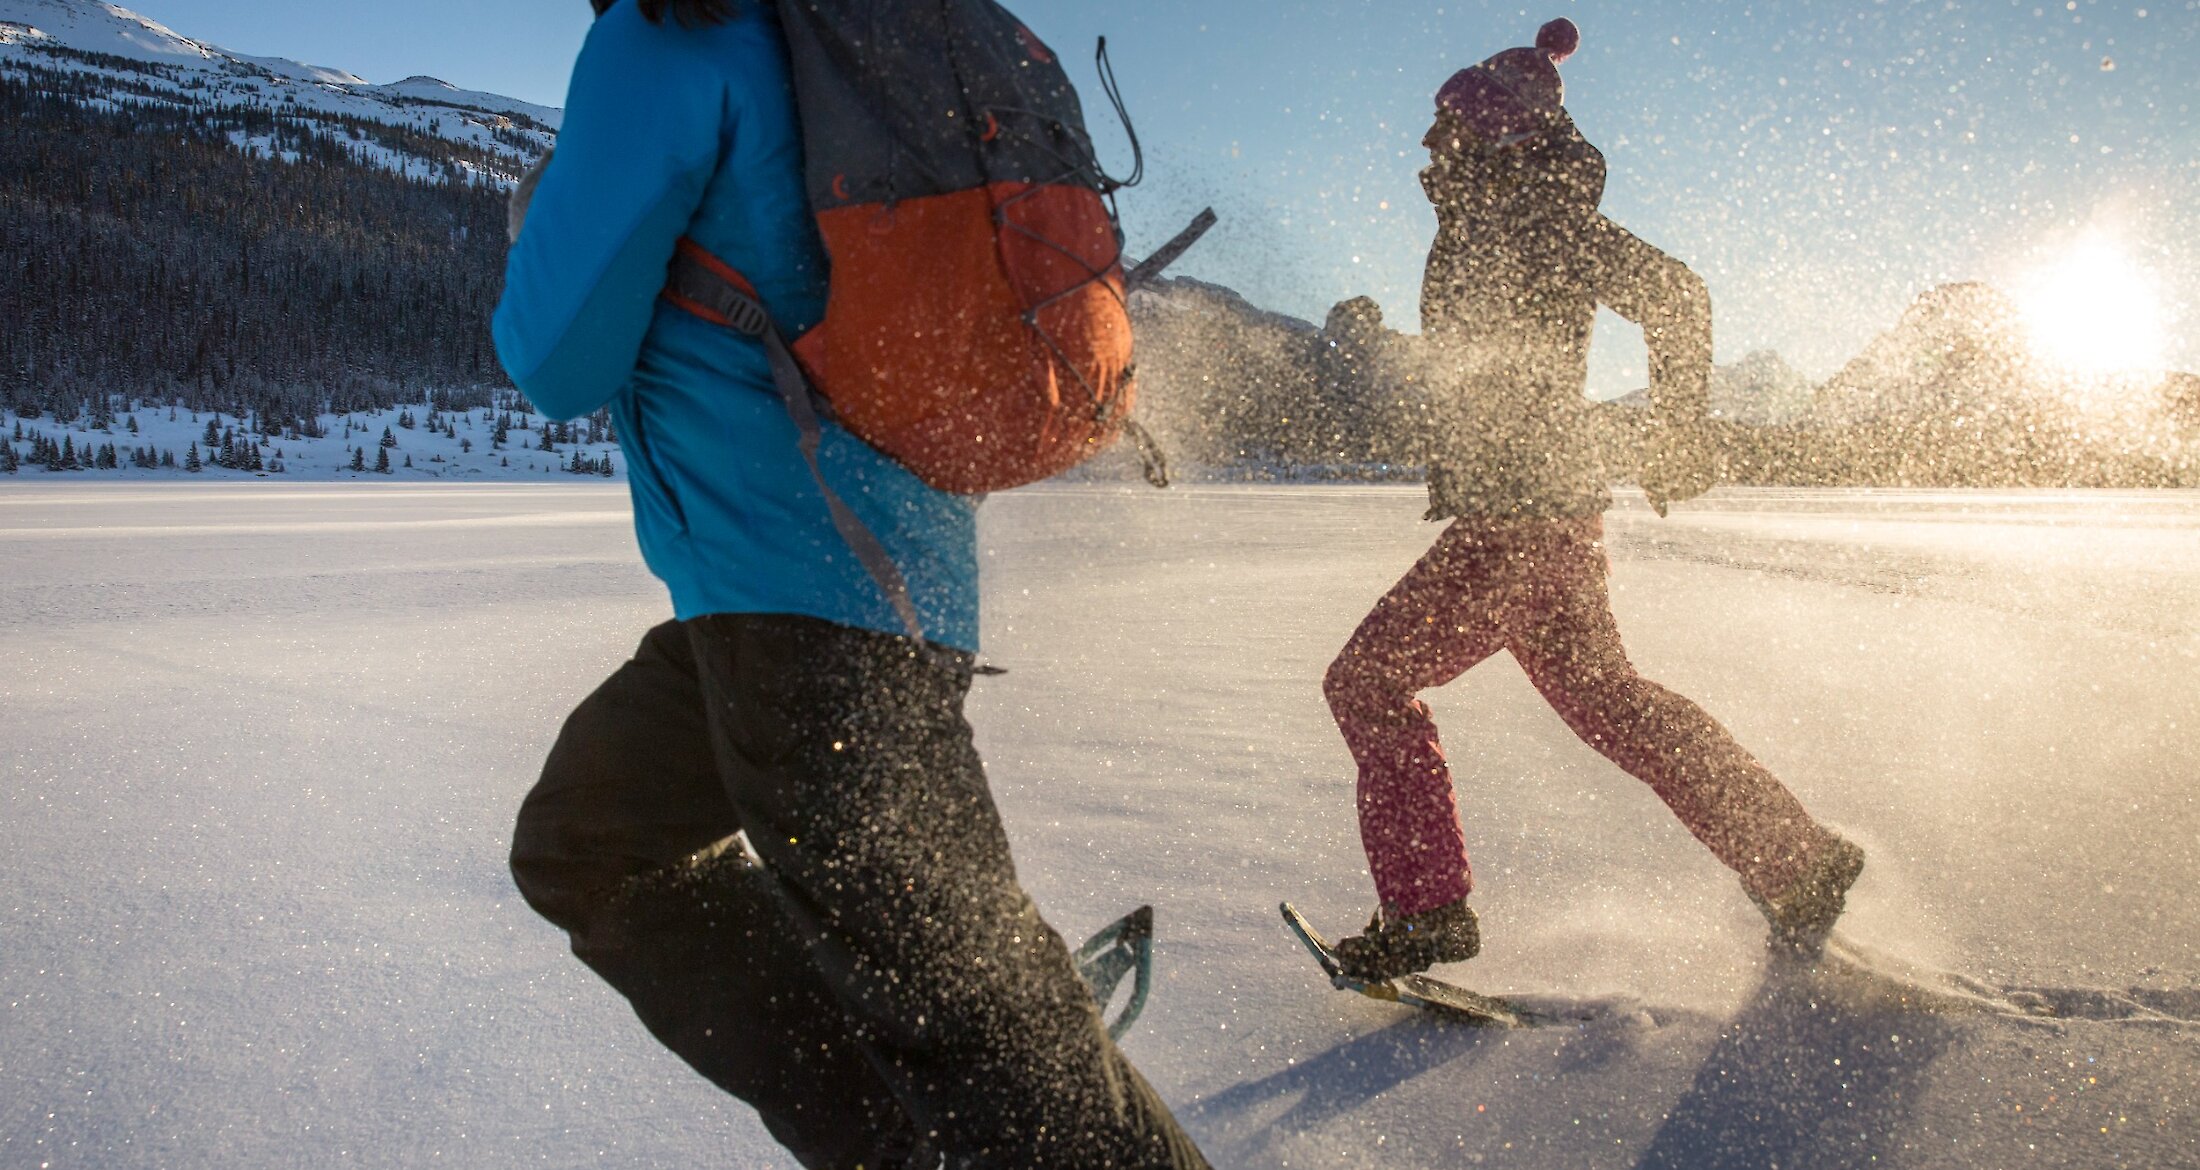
(690, 13)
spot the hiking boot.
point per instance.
(1404, 944)
(1803, 916)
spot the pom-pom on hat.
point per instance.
(1559, 39)
(1514, 95)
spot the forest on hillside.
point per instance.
(150, 258)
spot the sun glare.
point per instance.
(2094, 310)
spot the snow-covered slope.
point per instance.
(435, 90)
(88, 26)
(419, 126)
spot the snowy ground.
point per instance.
(262, 742)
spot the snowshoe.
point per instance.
(1414, 991)
(1123, 948)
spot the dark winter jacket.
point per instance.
(1522, 258)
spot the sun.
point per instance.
(2094, 310)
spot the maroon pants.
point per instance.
(1536, 588)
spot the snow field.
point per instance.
(265, 740)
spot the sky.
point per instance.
(1821, 165)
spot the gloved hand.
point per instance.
(1680, 462)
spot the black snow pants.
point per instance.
(880, 989)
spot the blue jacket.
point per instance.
(672, 131)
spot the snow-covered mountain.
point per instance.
(109, 57)
(251, 235)
(1958, 348)
(1759, 390)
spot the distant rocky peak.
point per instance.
(1969, 301)
(1760, 389)
(1184, 293)
(1958, 347)
(1970, 309)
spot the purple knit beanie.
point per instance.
(1514, 95)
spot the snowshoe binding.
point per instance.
(1395, 944)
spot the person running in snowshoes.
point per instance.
(1521, 260)
(879, 987)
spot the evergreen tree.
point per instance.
(168, 458)
(213, 432)
(68, 453)
(408, 461)
(191, 460)
(133, 424)
(358, 458)
(382, 460)
(8, 460)
(388, 439)
(606, 471)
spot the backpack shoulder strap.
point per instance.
(709, 288)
